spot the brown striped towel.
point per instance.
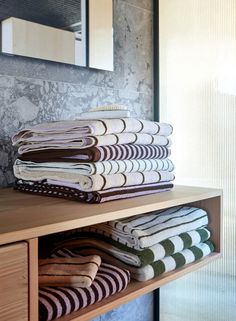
(96, 154)
(98, 182)
(73, 193)
(106, 167)
(54, 302)
(82, 128)
(76, 272)
(91, 141)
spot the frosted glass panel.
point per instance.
(198, 96)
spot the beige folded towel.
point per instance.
(76, 271)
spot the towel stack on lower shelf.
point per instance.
(94, 160)
(147, 245)
(69, 282)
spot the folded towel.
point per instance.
(76, 272)
(82, 128)
(45, 144)
(97, 182)
(103, 114)
(73, 193)
(107, 167)
(102, 153)
(112, 107)
(97, 243)
(54, 302)
(167, 264)
(143, 231)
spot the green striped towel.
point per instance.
(143, 231)
(167, 264)
(131, 256)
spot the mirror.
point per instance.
(78, 32)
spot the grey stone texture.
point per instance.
(34, 91)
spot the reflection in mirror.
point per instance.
(56, 31)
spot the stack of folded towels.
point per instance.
(95, 160)
(147, 245)
(69, 282)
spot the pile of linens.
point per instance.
(147, 245)
(94, 161)
(69, 282)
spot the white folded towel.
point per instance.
(103, 114)
(142, 231)
(43, 143)
(83, 128)
(100, 182)
(22, 168)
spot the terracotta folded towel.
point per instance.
(143, 231)
(91, 141)
(96, 154)
(76, 272)
(97, 244)
(106, 167)
(73, 193)
(54, 302)
(83, 128)
(157, 268)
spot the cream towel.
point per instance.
(82, 128)
(97, 182)
(105, 167)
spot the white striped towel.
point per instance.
(101, 182)
(83, 128)
(145, 230)
(91, 141)
(106, 167)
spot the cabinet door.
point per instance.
(14, 282)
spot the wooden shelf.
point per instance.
(134, 290)
(27, 217)
(24, 216)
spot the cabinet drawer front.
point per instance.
(14, 282)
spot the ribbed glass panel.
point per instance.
(198, 96)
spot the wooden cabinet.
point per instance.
(27, 217)
(14, 282)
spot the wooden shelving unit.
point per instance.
(26, 217)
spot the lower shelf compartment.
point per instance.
(134, 290)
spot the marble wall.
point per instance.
(33, 91)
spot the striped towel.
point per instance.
(97, 182)
(54, 302)
(106, 167)
(91, 141)
(99, 244)
(145, 230)
(46, 189)
(99, 154)
(166, 264)
(76, 272)
(82, 128)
